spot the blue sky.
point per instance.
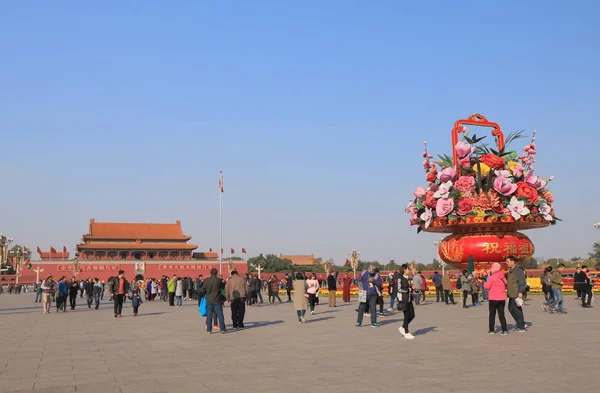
(315, 111)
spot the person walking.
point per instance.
(274, 290)
(346, 291)
(38, 291)
(447, 288)
(300, 287)
(236, 294)
(405, 303)
(47, 286)
(179, 291)
(439, 290)
(119, 287)
(579, 282)
(89, 291)
(97, 291)
(515, 287)
(496, 288)
(171, 288)
(475, 287)
(63, 294)
(198, 287)
(369, 281)
(332, 288)
(416, 288)
(557, 283)
(392, 289)
(313, 288)
(586, 288)
(212, 291)
(136, 301)
(289, 285)
(465, 282)
(73, 288)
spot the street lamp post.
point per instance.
(4, 243)
(18, 256)
(76, 266)
(597, 225)
(442, 263)
(354, 261)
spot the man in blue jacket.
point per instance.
(63, 293)
(370, 282)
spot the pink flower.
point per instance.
(411, 208)
(535, 181)
(504, 186)
(545, 211)
(464, 149)
(427, 216)
(517, 208)
(414, 219)
(518, 171)
(465, 184)
(444, 190)
(447, 174)
(420, 192)
(444, 207)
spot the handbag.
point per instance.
(202, 307)
(362, 296)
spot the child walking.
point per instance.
(136, 301)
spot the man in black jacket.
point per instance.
(89, 291)
(119, 287)
(332, 288)
(211, 288)
(579, 282)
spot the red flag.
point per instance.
(347, 261)
(221, 251)
(232, 251)
(39, 251)
(52, 250)
(221, 181)
(243, 250)
(210, 250)
(64, 249)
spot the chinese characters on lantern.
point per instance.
(515, 249)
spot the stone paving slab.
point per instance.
(167, 349)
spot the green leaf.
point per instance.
(419, 229)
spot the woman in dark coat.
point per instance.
(405, 303)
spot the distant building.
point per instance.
(138, 241)
(209, 256)
(54, 255)
(300, 260)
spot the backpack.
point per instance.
(459, 283)
(548, 280)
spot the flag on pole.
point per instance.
(65, 250)
(221, 181)
(347, 262)
(39, 251)
(210, 250)
(232, 251)
(52, 250)
(221, 251)
(243, 250)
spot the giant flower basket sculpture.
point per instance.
(482, 196)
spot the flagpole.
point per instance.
(221, 222)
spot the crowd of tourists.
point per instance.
(406, 289)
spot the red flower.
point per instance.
(493, 161)
(525, 190)
(430, 201)
(465, 206)
(431, 177)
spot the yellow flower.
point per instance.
(483, 168)
(479, 213)
(512, 165)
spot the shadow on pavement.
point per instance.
(424, 331)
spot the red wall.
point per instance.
(105, 269)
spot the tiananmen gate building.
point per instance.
(147, 249)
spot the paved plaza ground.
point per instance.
(167, 350)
